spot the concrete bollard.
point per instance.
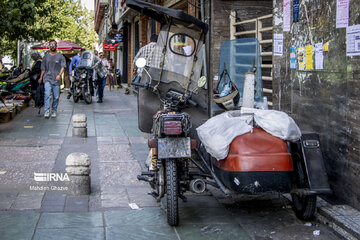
(79, 125)
(78, 170)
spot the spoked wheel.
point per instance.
(86, 95)
(172, 208)
(304, 206)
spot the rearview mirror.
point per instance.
(202, 81)
(182, 44)
(140, 62)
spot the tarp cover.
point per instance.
(162, 14)
(218, 132)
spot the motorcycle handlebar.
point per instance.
(192, 103)
(144, 85)
(147, 86)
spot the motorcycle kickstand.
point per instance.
(182, 197)
(154, 195)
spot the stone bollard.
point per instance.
(79, 125)
(77, 167)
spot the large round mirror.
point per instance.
(202, 81)
(182, 44)
(140, 62)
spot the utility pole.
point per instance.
(18, 53)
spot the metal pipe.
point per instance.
(18, 53)
(219, 183)
(202, 12)
(197, 165)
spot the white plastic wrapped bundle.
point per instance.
(218, 132)
(277, 123)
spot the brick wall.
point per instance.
(325, 101)
(220, 24)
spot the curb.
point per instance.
(342, 219)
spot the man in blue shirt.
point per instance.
(73, 64)
(75, 61)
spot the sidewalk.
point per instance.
(118, 151)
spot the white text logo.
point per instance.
(51, 177)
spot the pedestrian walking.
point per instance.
(101, 72)
(35, 72)
(52, 67)
(107, 67)
(111, 75)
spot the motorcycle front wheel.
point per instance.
(172, 207)
(75, 98)
(86, 95)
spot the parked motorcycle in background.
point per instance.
(83, 79)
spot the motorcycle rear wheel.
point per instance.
(172, 207)
(304, 206)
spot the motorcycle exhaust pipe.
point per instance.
(197, 185)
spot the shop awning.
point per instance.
(61, 45)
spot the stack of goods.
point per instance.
(7, 111)
(24, 98)
(12, 105)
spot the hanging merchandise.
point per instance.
(287, 16)
(296, 9)
(301, 58)
(319, 56)
(292, 57)
(309, 57)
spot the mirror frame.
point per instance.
(170, 47)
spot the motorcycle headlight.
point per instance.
(83, 75)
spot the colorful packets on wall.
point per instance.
(292, 57)
(301, 58)
(296, 10)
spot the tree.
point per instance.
(44, 20)
(18, 15)
(68, 21)
(16, 18)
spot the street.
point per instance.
(30, 143)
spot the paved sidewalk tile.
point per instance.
(115, 199)
(212, 232)
(205, 216)
(17, 225)
(27, 202)
(140, 233)
(144, 217)
(140, 196)
(115, 153)
(68, 220)
(85, 233)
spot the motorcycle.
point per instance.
(83, 79)
(173, 100)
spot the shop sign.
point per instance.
(110, 46)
